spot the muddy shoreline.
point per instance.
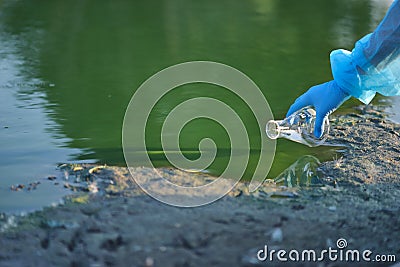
(121, 226)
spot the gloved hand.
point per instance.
(325, 98)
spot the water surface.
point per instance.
(69, 68)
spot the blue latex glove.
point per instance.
(325, 98)
(373, 66)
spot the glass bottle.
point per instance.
(298, 127)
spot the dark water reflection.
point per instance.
(69, 69)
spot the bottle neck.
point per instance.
(273, 129)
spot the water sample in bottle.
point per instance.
(298, 127)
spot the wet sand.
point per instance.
(121, 226)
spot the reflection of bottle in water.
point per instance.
(298, 127)
(303, 172)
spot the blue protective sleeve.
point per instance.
(374, 64)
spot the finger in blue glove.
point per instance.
(325, 98)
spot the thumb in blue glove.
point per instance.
(325, 98)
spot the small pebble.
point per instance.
(33, 186)
(17, 187)
(51, 178)
(92, 187)
(149, 262)
(332, 208)
(77, 168)
(277, 235)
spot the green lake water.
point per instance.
(69, 68)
